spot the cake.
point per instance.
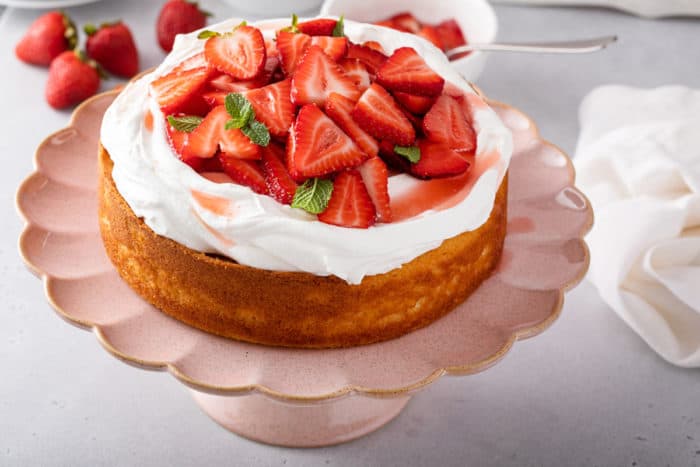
(334, 187)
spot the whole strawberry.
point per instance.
(72, 79)
(112, 46)
(46, 38)
(178, 17)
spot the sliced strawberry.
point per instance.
(406, 22)
(376, 178)
(393, 160)
(215, 98)
(317, 76)
(320, 146)
(205, 140)
(415, 120)
(236, 144)
(379, 115)
(339, 108)
(406, 71)
(450, 33)
(432, 35)
(291, 49)
(387, 23)
(446, 123)
(246, 173)
(289, 156)
(334, 47)
(350, 204)
(195, 61)
(418, 105)
(241, 54)
(280, 184)
(173, 91)
(438, 160)
(372, 59)
(273, 106)
(374, 45)
(179, 141)
(227, 84)
(213, 164)
(318, 27)
(357, 72)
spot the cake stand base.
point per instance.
(270, 421)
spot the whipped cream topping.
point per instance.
(206, 215)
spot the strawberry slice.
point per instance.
(291, 49)
(179, 141)
(450, 33)
(289, 156)
(334, 47)
(175, 91)
(438, 160)
(393, 160)
(320, 147)
(379, 115)
(357, 72)
(446, 123)
(371, 58)
(195, 61)
(376, 178)
(374, 45)
(339, 108)
(317, 76)
(350, 204)
(406, 71)
(280, 184)
(432, 35)
(205, 140)
(215, 98)
(241, 54)
(405, 21)
(318, 27)
(273, 106)
(418, 105)
(246, 173)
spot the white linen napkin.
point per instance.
(638, 161)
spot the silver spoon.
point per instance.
(567, 47)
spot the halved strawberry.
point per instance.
(215, 98)
(406, 22)
(236, 144)
(418, 105)
(376, 178)
(240, 54)
(372, 59)
(339, 108)
(174, 90)
(393, 160)
(320, 146)
(205, 140)
(438, 160)
(317, 76)
(446, 123)
(289, 156)
(227, 84)
(350, 204)
(357, 72)
(450, 34)
(273, 106)
(246, 173)
(406, 71)
(334, 47)
(280, 184)
(379, 115)
(195, 61)
(318, 27)
(430, 33)
(179, 140)
(291, 47)
(374, 45)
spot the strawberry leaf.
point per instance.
(339, 29)
(313, 195)
(257, 132)
(206, 34)
(412, 153)
(186, 123)
(293, 28)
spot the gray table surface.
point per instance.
(587, 392)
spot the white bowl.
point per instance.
(274, 8)
(476, 18)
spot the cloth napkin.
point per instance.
(638, 161)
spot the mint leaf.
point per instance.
(206, 34)
(313, 195)
(339, 29)
(257, 132)
(186, 123)
(412, 153)
(240, 110)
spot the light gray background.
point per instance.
(587, 392)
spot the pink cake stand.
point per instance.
(304, 397)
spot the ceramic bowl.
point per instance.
(273, 8)
(476, 18)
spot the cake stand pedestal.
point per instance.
(296, 397)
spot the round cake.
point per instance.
(308, 184)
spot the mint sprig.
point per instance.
(412, 153)
(185, 123)
(339, 29)
(313, 195)
(243, 117)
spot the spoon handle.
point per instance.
(567, 47)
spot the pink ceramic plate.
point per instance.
(544, 256)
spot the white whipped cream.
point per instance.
(257, 231)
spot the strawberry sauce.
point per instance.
(148, 121)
